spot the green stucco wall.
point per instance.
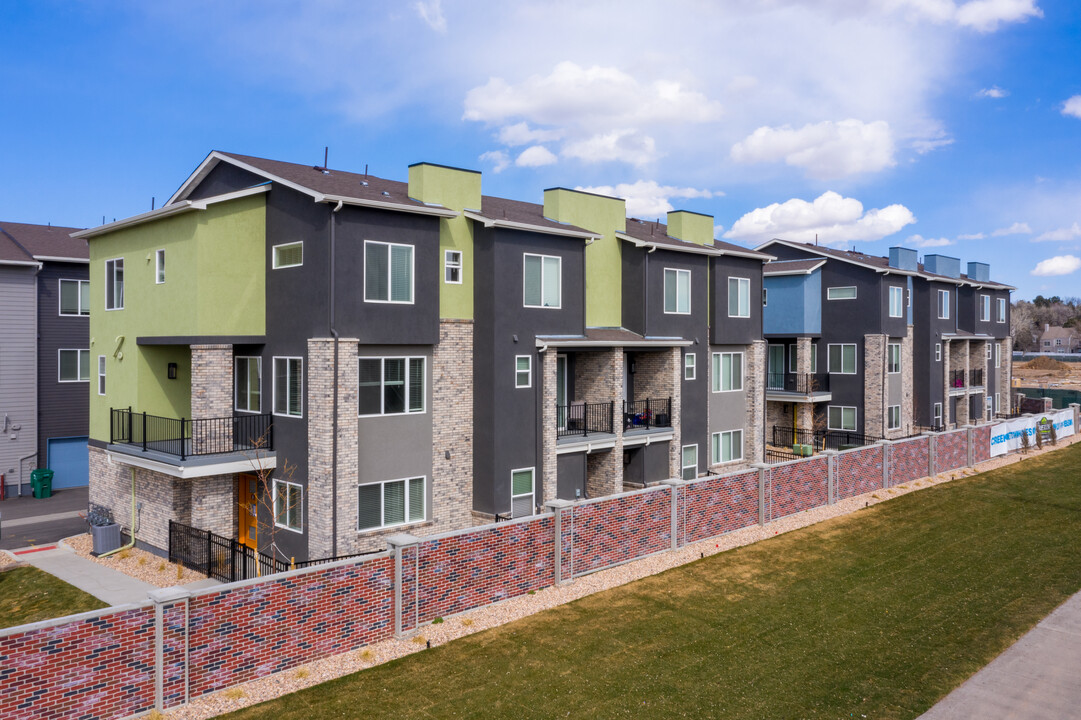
(458, 190)
(215, 284)
(691, 227)
(605, 216)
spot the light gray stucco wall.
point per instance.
(727, 410)
(18, 373)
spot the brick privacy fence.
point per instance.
(181, 644)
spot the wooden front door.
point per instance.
(248, 504)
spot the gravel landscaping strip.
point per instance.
(6, 558)
(139, 564)
(516, 608)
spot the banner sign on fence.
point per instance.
(1006, 437)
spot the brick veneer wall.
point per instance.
(615, 530)
(797, 486)
(718, 505)
(981, 443)
(875, 394)
(857, 471)
(173, 656)
(951, 451)
(754, 383)
(96, 665)
(658, 376)
(211, 394)
(452, 404)
(598, 378)
(908, 460)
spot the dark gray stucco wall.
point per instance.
(726, 330)
(224, 178)
(659, 323)
(633, 260)
(694, 418)
(571, 476)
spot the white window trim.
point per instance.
(814, 358)
(985, 304)
(390, 273)
(900, 360)
(901, 303)
(274, 386)
(60, 293)
(938, 352)
(998, 355)
(677, 272)
(996, 406)
(898, 425)
(683, 467)
(528, 371)
(936, 413)
(382, 506)
(382, 382)
(791, 352)
(829, 292)
(532, 494)
(741, 282)
(274, 506)
(107, 298)
(990, 351)
(717, 445)
(855, 359)
(765, 297)
(989, 408)
(542, 306)
(274, 255)
(101, 375)
(79, 363)
(159, 269)
(259, 363)
(1001, 310)
(448, 265)
(719, 359)
(943, 306)
(855, 417)
(692, 366)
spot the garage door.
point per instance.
(69, 462)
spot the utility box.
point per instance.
(106, 538)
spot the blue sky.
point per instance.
(953, 126)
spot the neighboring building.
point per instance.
(1056, 339)
(406, 356)
(859, 343)
(44, 355)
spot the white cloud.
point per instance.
(1060, 235)
(647, 198)
(987, 15)
(535, 156)
(624, 145)
(835, 220)
(994, 92)
(718, 231)
(1072, 107)
(971, 236)
(921, 242)
(825, 150)
(1058, 265)
(1018, 228)
(522, 134)
(431, 12)
(498, 158)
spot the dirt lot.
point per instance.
(1047, 372)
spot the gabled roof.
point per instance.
(1057, 331)
(647, 233)
(793, 267)
(25, 243)
(501, 212)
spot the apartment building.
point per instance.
(44, 356)
(308, 359)
(880, 347)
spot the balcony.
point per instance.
(582, 419)
(957, 380)
(975, 378)
(798, 387)
(647, 414)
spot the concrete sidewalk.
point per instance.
(28, 521)
(104, 583)
(1037, 678)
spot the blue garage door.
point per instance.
(69, 461)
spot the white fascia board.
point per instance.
(21, 263)
(647, 438)
(609, 344)
(773, 273)
(493, 222)
(827, 256)
(50, 258)
(698, 249)
(396, 207)
(215, 157)
(265, 462)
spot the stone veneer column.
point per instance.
(804, 411)
(1005, 375)
(874, 385)
(452, 426)
(214, 504)
(907, 386)
(963, 402)
(946, 366)
(549, 437)
(320, 408)
(211, 396)
(754, 384)
(598, 377)
(658, 375)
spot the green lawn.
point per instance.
(877, 614)
(28, 595)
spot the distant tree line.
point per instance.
(1027, 319)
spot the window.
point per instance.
(452, 267)
(944, 304)
(677, 291)
(159, 267)
(541, 281)
(990, 409)
(288, 505)
(998, 355)
(392, 386)
(814, 358)
(727, 372)
(739, 297)
(996, 403)
(114, 284)
(74, 297)
(74, 366)
(395, 502)
(893, 358)
(388, 272)
(841, 359)
(937, 420)
(841, 293)
(248, 382)
(985, 308)
(523, 371)
(690, 462)
(765, 297)
(792, 358)
(897, 301)
(288, 255)
(288, 386)
(893, 417)
(938, 352)
(841, 417)
(689, 366)
(727, 446)
(101, 374)
(521, 492)
(1002, 310)
(989, 351)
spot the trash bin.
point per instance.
(41, 480)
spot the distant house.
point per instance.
(1059, 339)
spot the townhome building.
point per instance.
(44, 355)
(1058, 339)
(307, 359)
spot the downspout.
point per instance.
(334, 423)
(131, 543)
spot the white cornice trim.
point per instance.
(50, 258)
(494, 222)
(168, 210)
(263, 462)
(396, 207)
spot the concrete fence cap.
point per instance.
(401, 540)
(169, 594)
(558, 504)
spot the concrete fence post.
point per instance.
(932, 444)
(558, 507)
(762, 469)
(161, 598)
(831, 476)
(397, 544)
(1076, 407)
(970, 446)
(887, 450)
(675, 485)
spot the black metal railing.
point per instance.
(774, 456)
(975, 378)
(920, 429)
(819, 440)
(787, 436)
(841, 439)
(800, 383)
(648, 413)
(185, 438)
(775, 381)
(957, 378)
(584, 418)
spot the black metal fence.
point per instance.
(648, 413)
(820, 440)
(975, 378)
(184, 438)
(774, 456)
(583, 418)
(957, 378)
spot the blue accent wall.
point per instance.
(794, 304)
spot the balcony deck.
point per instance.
(798, 387)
